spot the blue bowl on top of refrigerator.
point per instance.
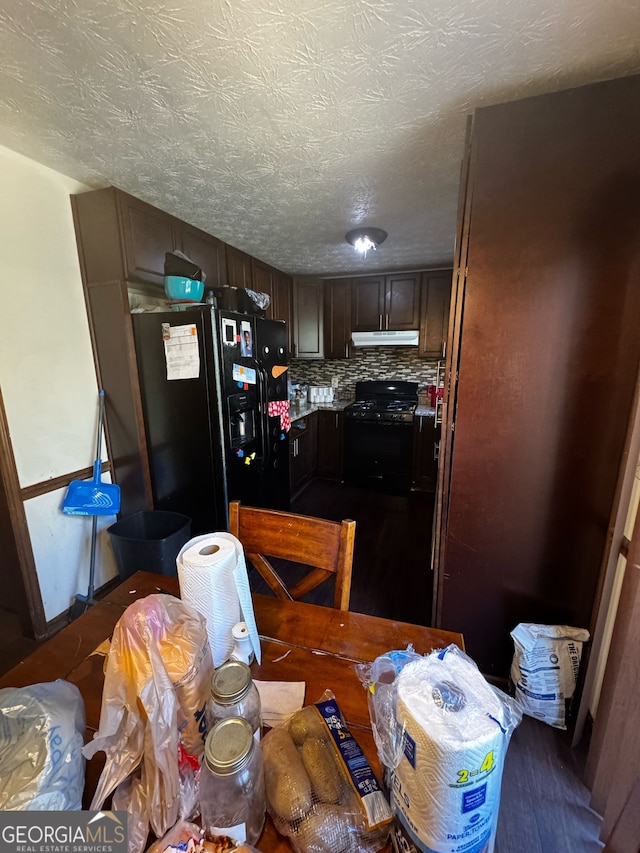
(179, 287)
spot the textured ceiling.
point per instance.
(278, 125)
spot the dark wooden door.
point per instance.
(263, 283)
(548, 337)
(283, 301)
(148, 235)
(239, 272)
(435, 296)
(207, 252)
(308, 322)
(337, 318)
(330, 445)
(402, 302)
(426, 437)
(367, 306)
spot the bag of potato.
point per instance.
(321, 791)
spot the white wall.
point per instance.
(47, 372)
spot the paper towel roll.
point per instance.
(213, 579)
(447, 786)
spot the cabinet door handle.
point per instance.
(336, 420)
(436, 451)
(420, 427)
(444, 348)
(380, 326)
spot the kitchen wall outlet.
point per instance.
(335, 381)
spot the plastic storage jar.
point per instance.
(233, 694)
(232, 793)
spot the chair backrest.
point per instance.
(326, 546)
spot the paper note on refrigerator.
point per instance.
(243, 374)
(181, 351)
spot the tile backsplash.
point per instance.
(366, 363)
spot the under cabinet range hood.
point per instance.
(385, 339)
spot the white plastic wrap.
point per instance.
(381, 683)
(453, 729)
(155, 692)
(41, 736)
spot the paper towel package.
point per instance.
(212, 574)
(446, 786)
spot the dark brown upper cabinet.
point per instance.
(206, 251)
(239, 269)
(337, 318)
(308, 323)
(279, 286)
(435, 297)
(381, 303)
(148, 235)
(283, 301)
(122, 237)
(367, 304)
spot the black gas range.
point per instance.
(378, 435)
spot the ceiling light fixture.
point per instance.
(365, 239)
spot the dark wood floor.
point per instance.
(14, 645)
(391, 574)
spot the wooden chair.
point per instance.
(326, 546)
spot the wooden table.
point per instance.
(322, 644)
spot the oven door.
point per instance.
(378, 453)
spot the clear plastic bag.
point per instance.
(455, 732)
(156, 687)
(321, 792)
(41, 735)
(380, 681)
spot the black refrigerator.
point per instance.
(213, 386)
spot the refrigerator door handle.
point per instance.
(263, 407)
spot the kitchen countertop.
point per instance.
(296, 412)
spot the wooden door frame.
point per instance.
(616, 544)
(20, 528)
(454, 338)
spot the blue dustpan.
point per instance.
(93, 497)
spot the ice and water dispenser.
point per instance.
(242, 410)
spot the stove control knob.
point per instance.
(377, 414)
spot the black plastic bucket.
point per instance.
(149, 541)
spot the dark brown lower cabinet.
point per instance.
(426, 445)
(302, 451)
(330, 428)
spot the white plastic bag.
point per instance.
(156, 687)
(545, 668)
(41, 736)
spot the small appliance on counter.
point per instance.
(298, 394)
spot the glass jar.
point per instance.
(233, 694)
(232, 793)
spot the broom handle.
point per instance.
(100, 418)
(92, 562)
